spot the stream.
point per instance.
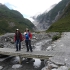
(40, 42)
(11, 63)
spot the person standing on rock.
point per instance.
(18, 38)
(27, 38)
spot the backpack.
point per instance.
(26, 36)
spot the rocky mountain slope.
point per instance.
(45, 20)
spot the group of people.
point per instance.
(18, 38)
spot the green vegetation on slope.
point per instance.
(63, 24)
(12, 19)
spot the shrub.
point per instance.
(56, 37)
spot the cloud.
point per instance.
(29, 7)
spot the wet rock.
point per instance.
(58, 60)
(1, 45)
(16, 66)
(1, 67)
(53, 65)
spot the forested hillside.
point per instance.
(12, 19)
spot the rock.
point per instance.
(1, 67)
(1, 45)
(50, 67)
(12, 41)
(49, 48)
(53, 69)
(62, 68)
(16, 66)
(54, 66)
(58, 60)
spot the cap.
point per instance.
(24, 33)
(17, 29)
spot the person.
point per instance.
(18, 38)
(27, 38)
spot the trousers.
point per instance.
(18, 45)
(28, 45)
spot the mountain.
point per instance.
(63, 22)
(45, 20)
(12, 19)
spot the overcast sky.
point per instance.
(29, 7)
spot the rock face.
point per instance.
(45, 20)
(41, 26)
(11, 24)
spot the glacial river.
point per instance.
(12, 63)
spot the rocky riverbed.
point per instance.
(42, 41)
(60, 62)
(7, 40)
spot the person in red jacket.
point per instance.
(27, 38)
(18, 38)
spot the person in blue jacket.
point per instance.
(27, 38)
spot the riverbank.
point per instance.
(60, 62)
(40, 41)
